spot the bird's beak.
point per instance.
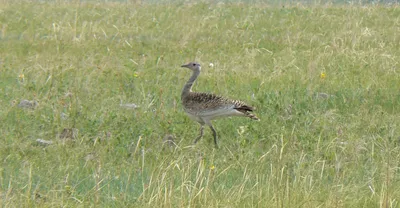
(185, 65)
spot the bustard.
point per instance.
(204, 107)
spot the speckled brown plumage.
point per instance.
(204, 107)
(198, 102)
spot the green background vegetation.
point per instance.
(80, 62)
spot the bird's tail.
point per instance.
(252, 116)
(246, 110)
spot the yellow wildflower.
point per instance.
(135, 74)
(21, 76)
(243, 142)
(322, 75)
(68, 189)
(212, 167)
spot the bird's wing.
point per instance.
(206, 102)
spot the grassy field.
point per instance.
(324, 79)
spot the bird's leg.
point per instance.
(201, 134)
(214, 134)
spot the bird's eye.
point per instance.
(194, 64)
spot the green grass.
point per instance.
(83, 60)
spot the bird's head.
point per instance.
(193, 66)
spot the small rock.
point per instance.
(129, 105)
(28, 104)
(322, 95)
(44, 142)
(64, 116)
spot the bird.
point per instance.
(205, 107)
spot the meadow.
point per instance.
(323, 77)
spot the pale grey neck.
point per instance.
(188, 86)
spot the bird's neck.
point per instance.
(188, 86)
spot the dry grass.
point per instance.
(324, 79)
